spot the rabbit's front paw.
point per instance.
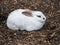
(30, 28)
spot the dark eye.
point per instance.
(39, 16)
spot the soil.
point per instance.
(48, 35)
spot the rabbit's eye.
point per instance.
(39, 16)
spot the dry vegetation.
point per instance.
(48, 35)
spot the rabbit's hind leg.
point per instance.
(12, 26)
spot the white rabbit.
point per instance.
(25, 19)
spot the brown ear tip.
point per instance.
(27, 13)
(28, 10)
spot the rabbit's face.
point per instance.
(39, 16)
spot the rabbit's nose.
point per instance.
(44, 18)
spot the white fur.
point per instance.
(16, 20)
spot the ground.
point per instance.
(48, 35)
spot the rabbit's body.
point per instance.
(16, 20)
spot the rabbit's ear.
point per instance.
(27, 13)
